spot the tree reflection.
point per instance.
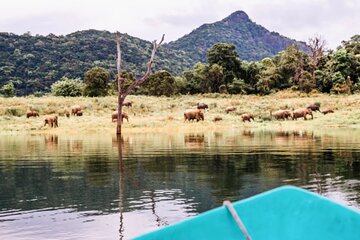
(121, 172)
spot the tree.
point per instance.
(215, 77)
(8, 90)
(290, 64)
(67, 87)
(317, 48)
(123, 94)
(96, 82)
(161, 83)
(224, 55)
(269, 76)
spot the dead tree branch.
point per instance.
(122, 94)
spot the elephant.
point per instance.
(114, 116)
(51, 120)
(327, 110)
(32, 114)
(191, 114)
(281, 114)
(230, 109)
(202, 106)
(127, 104)
(79, 113)
(302, 112)
(217, 118)
(75, 109)
(247, 117)
(314, 107)
(67, 112)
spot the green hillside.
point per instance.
(252, 41)
(33, 63)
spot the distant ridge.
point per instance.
(253, 42)
(33, 63)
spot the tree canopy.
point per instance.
(96, 82)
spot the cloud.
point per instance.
(333, 19)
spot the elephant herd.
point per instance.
(52, 120)
(198, 114)
(299, 113)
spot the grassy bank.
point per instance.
(166, 113)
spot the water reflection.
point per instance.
(194, 141)
(102, 187)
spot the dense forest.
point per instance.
(33, 63)
(317, 70)
(70, 65)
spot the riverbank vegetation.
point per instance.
(149, 113)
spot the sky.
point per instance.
(332, 20)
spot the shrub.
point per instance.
(8, 90)
(39, 94)
(14, 112)
(67, 87)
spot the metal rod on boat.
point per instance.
(237, 219)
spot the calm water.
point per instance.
(75, 187)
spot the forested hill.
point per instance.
(252, 41)
(33, 63)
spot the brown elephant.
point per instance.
(75, 109)
(327, 110)
(32, 114)
(247, 117)
(230, 109)
(217, 118)
(67, 112)
(281, 114)
(127, 104)
(314, 107)
(302, 112)
(202, 106)
(194, 114)
(51, 120)
(114, 116)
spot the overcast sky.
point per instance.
(333, 20)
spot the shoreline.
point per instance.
(165, 114)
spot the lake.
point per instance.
(77, 186)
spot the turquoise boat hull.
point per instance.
(284, 213)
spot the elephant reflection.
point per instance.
(51, 142)
(297, 137)
(248, 134)
(194, 141)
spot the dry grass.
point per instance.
(166, 113)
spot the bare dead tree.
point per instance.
(122, 94)
(317, 48)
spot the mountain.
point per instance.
(252, 41)
(33, 63)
